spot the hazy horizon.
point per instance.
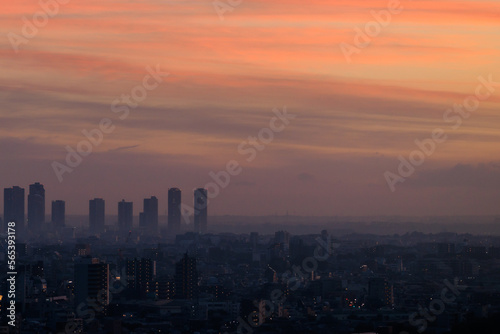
(212, 81)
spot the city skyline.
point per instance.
(49, 202)
(148, 218)
(355, 115)
(231, 166)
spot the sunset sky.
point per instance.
(353, 119)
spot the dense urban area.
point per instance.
(121, 277)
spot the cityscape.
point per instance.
(250, 167)
(144, 276)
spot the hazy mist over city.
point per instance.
(237, 166)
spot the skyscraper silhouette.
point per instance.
(174, 210)
(125, 215)
(380, 292)
(91, 281)
(36, 206)
(96, 215)
(200, 210)
(282, 238)
(13, 207)
(186, 278)
(59, 213)
(149, 217)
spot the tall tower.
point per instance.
(283, 239)
(140, 276)
(380, 292)
(96, 215)
(186, 278)
(200, 210)
(91, 281)
(149, 218)
(59, 213)
(174, 210)
(36, 206)
(13, 207)
(125, 215)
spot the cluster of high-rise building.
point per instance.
(14, 211)
(14, 207)
(114, 281)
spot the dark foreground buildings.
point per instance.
(186, 278)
